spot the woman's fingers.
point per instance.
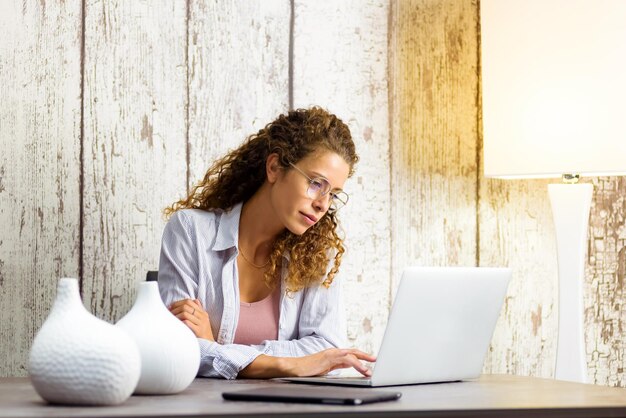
(332, 359)
(192, 326)
(192, 306)
(352, 358)
(186, 316)
(188, 310)
(362, 356)
(179, 303)
(191, 310)
(359, 367)
(192, 314)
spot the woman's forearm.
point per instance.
(266, 367)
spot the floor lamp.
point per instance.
(553, 88)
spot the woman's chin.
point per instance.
(298, 229)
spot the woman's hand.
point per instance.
(192, 314)
(266, 367)
(328, 360)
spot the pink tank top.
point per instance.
(258, 321)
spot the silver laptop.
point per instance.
(439, 329)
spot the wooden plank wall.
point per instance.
(168, 88)
(39, 166)
(516, 230)
(340, 59)
(605, 307)
(238, 74)
(434, 91)
(134, 143)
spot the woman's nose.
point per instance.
(321, 204)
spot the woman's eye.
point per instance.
(316, 184)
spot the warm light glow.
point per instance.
(554, 87)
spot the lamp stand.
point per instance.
(570, 209)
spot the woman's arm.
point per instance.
(178, 280)
(316, 320)
(265, 367)
(321, 328)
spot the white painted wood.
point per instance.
(238, 75)
(516, 230)
(340, 63)
(605, 314)
(134, 116)
(434, 111)
(39, 166)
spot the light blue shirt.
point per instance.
(198, 261)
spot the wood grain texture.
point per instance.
(434, 112)
(238, 75)
(605, 310)
(39, 167)
(340, 63)
(516, 230)
(134, 158)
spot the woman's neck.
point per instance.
(258, 226)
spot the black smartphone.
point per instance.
(307, 394)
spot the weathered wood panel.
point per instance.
(434, 114)
(340, 63)
(238, 75)
(134, 158)
(605, 309)
(516, 230)
(39, 167)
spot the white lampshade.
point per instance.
(553, 87)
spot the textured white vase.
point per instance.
(79, 359)
(170, 354)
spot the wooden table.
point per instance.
(489, 396)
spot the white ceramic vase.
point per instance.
(79, 359)
(170, 354)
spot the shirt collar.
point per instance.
(228, 229)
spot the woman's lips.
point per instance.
(310, 219)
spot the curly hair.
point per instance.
(238, 175)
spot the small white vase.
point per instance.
(170, 354)
(79, 359)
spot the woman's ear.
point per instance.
(272, 168)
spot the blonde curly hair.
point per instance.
(238, 175)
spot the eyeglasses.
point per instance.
(320, 187)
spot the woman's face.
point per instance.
(294, 208)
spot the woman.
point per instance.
(249, 257)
